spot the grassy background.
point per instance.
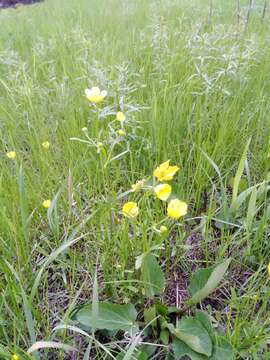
(198, 82)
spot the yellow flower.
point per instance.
(176, 209)
(95, 95)
(136, 187)
(46, 145)
(165, 172)
(121, 132)
(11, 154)
(15, 357)
(130, 209)
(163, 229)
(46, 204)
(268, 268)
(163, 191)
(120, 116)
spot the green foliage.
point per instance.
(193, 83)
(152, 276)
(192, 336)
(192, 333)
(109, 316)
(204, 281)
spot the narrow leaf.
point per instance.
(239, 172)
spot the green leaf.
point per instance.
(164, 336)
(222, 349)
(152, 276)
(205, 321)
(204, 281)
(251, 209)
(110, 317)
(192, 333)
(181, 350)
(239, 173)
(143, 353)
(161, 309)
(149, 316)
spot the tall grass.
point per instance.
(197, 84)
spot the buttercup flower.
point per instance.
(46, 204)
(95, 95)
(121, 132)
(11, 154)
(163, 229)
(165, 172)
(130, 209)
(163, 191)
(136, 187)
(120, 116)
(46, 145)
(15, 357)
(268, 268)
(176, 208)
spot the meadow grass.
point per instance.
(194, 82)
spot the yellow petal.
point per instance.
(121, 132)
(130, 209)
(163, 191)
(11, 154)
(139, 184)
(46, 204)
(177, 208)
(268, 268)
(95, 95)
(46, 145)
(120, 116)
(165, 172)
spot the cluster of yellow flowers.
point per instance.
(175, 209)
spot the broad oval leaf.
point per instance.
(222, 349)
(181, 350)
(204, 281)
(192, 333)
(152, 276)
(109, 316)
